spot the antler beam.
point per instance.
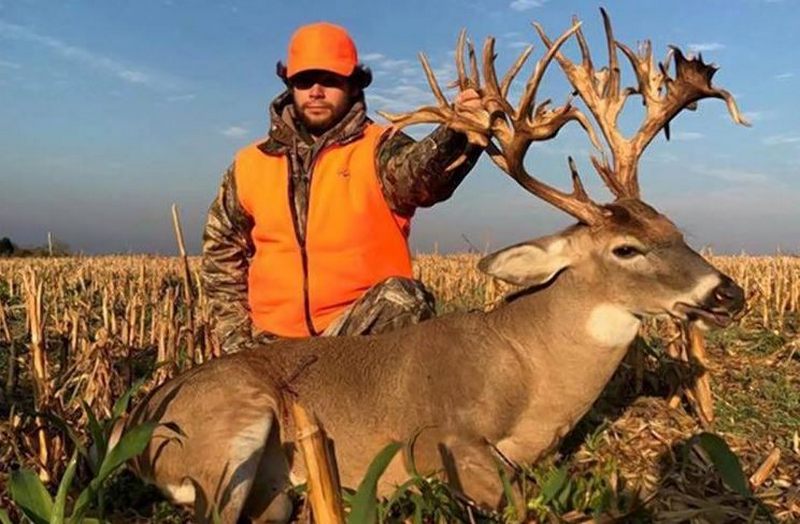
(663, 96)
(507, 132)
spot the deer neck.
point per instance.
(573, 344)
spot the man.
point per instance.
(308, 234)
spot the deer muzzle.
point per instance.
(721, 307)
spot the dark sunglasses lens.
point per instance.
(307, 81)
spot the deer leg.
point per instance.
(235, 477)
(269, 501)
(472, 469)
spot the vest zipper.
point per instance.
(301, 242)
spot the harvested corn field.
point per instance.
(76, 333)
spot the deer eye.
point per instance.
(626, 251)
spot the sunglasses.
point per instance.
(309, 79)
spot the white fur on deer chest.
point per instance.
(182, 494)
(611, 326)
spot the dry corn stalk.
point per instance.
(699, 393)
(188, 296)
(4, 323)
(766, 468)
(39, 370)
(323, 485)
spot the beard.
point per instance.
(320, 117)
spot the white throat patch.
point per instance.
(612, 326)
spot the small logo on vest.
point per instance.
(344, 173)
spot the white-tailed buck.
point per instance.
(476, 386)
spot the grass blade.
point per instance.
(121, 405)
(131, 444)
(725, 461)
(31, 496)
(553, 485)
(60, 505)
(365, 506)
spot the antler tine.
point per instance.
(495, 98)
(577, 186)
(612, 87)
(529, 96)
(591, 87)
(586, 56)
(473, 123)
(577, 203)
(663, 96)
(513, 129)
(462, 81)
(528, 125)
(432, 82)
(514, 70)
(473, 80)
(473, 66)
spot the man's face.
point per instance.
(321, 99)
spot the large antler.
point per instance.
(505, 131)
(664, 96)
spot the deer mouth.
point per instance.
(717, 317)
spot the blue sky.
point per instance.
(111, 110)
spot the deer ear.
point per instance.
(530, 264)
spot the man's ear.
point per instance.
(529, 264)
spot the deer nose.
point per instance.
(728, 295)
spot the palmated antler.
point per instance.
(505, 131)
(664, 96)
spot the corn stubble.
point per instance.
(81, 330)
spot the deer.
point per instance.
(470, 388)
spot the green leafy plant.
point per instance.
(363, 504)
(727, 465)
(36, 503)
(591, 493)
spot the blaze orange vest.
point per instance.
(353, 240)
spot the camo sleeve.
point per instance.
(413, 174)
(227, 249)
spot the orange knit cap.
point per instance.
(322, 46)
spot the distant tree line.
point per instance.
(10, 249)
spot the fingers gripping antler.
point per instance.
(474, 123)
(507, 132)
(663, 96)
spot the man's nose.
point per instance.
(317, 91)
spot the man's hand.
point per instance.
(468, 99)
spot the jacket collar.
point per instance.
(286, 131)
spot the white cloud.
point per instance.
(736, 176)
(524, 5)
(776, 140)
(182, 98)
(134, 77)
(389, 63)
(706, 46)
(687, 135)
(784, 76)
(372, 57)
(234, 132)
(661, 157)
(86, 57)
(519, 44)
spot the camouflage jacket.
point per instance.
(412, 175)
